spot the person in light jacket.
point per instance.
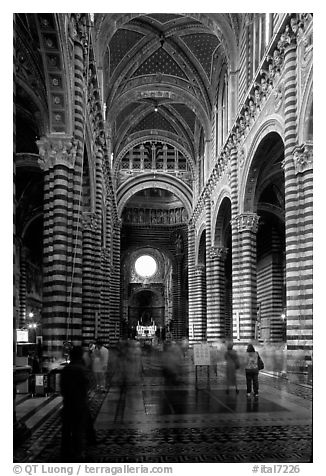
(100, 358)
(251, 367)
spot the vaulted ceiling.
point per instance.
(161, 73)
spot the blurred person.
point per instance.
(134, 362)
(77, 427)
(100, 359)
(184, 346)
(252, 359)
(232, 365)
(172, 358)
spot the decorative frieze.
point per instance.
(303, 157)
(246, 222)
(57, 151)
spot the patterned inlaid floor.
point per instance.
(154, 422)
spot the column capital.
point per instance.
(246, 222)
(57, 151)
(199, 270)
(191, 228)
(303, 157)
(217, 252)
(117, 223)
(292, 30)
(89, 221)
(78, 28)
(105, 254)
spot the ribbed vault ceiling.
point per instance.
(161, 73)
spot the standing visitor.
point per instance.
(100, 359)
(253, 364)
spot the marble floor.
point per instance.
(152, 420)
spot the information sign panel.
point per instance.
(202, 354)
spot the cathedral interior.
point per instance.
(163, 194)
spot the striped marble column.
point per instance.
(210, 284)
(57, 157)
(199, 320)
(175, 304)
(115, 283)
(97, 257)
(88, 322)
(22, 289)
(216, 302)
(244, 327)
(105, 296)
(178, 331)
(293, 226)
(106, 273)
(236, 277)
(191, 283)
(74, 256)
(300, 324)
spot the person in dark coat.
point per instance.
(76, 419)
(251, 366)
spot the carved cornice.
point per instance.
(217, 252)
(303, 157)
(89, 221)
(57, 151)
(246, 222)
